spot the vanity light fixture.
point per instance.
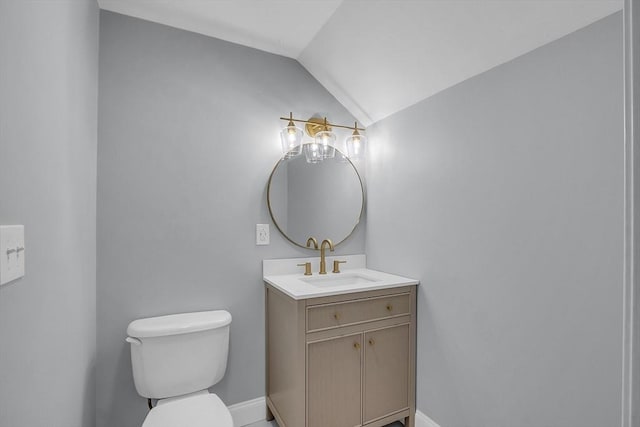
(324, 139)
(291, 138)
(313, 152)
(355, 144)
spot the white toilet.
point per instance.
(175, 359)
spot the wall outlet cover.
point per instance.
(12, 253)
(262, 234)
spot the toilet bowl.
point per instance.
(175, 359)
(201, 409)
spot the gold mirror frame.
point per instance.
(282, 159)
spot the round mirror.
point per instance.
(324, 199)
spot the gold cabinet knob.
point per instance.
(356, 345)
(389, 307)
(336, 316)
(371, 341)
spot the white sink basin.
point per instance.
(286, 276)
(334, 280)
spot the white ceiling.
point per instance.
(284, 27)
(378, 57)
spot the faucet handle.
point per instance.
(307, 268)
(336, 265)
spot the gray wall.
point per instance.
(48, 125)
(633, 7)
(188, 136)
(504, 195)
(631, 409)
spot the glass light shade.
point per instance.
(313, 152)
(291, 138)
(355, 146)
(326, 141)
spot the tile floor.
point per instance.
(273, 424)
(264, 424)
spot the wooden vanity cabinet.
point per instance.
(334, 374)
(341, 361)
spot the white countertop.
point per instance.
(286, 276)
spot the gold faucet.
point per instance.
(312, 240)
(323, 262)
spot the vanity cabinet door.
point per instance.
(334, 375)
(386, 371)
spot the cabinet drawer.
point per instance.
(334, 315)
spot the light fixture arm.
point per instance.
(290, 120)
(355, 130)
(326, 123)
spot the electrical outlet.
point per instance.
(262, 234)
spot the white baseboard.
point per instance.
(252, 411)
(423, 421)
(248, 412)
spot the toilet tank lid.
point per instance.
(175, 324)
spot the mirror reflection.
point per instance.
(324, 200)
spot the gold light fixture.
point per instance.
(324, 139)
(315, 125)
(355, 144)
(291, 139)
(312, 152)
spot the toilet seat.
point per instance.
(202, 409)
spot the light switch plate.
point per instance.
(262, 234)
(12, 253)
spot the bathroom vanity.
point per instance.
(340, 348)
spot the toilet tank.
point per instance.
(180, 353)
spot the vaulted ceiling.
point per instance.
(378, 57)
